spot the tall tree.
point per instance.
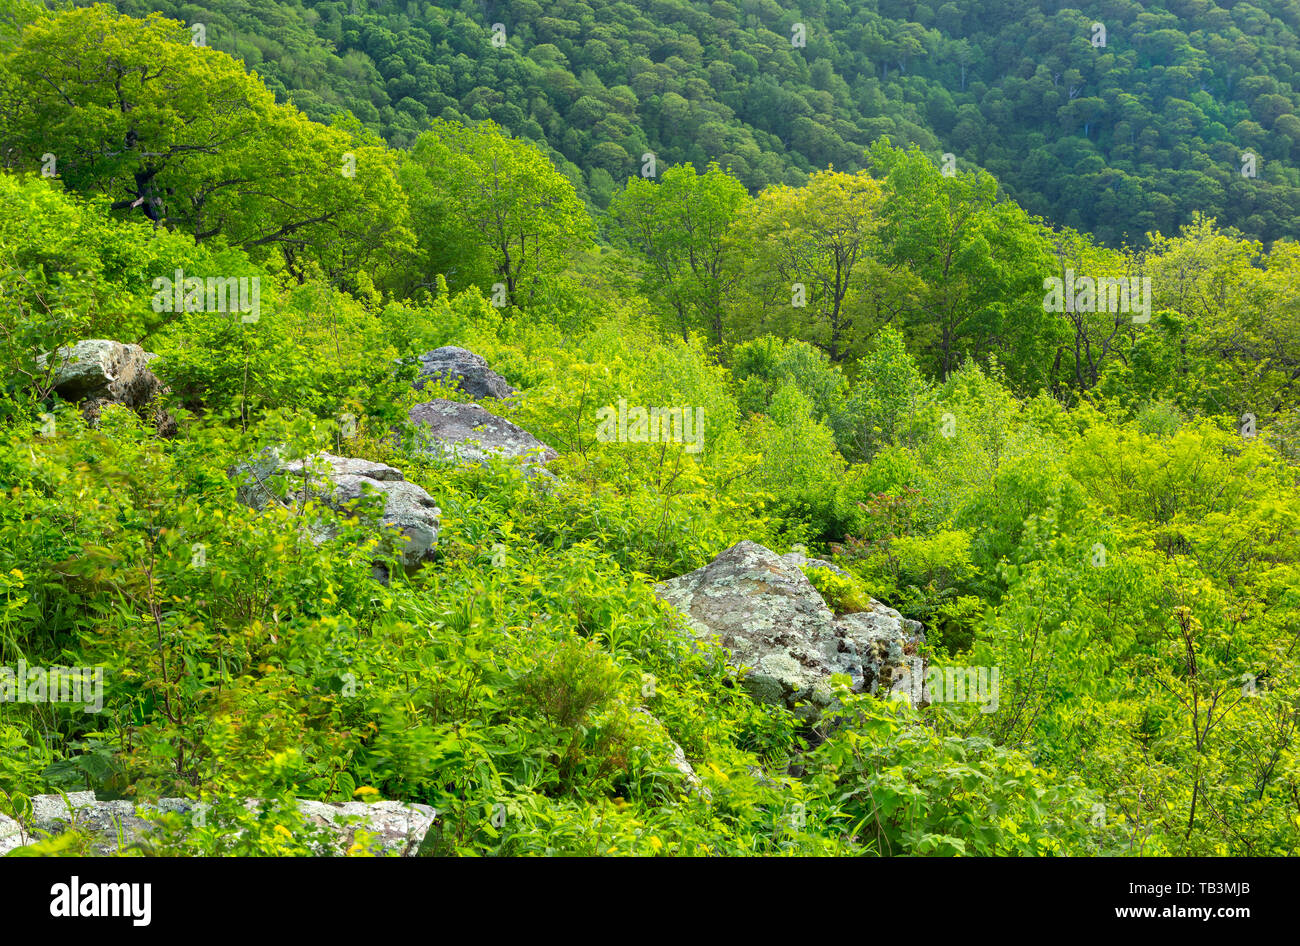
(801, 250)
(500, 193)
(180, 135)
(980, 258)
(678, 225)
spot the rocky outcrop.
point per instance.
(466, 432)
(763, 609)
(468, 371)
(771, 619)
(394, 828)
(886, 645)
(340, 482)
(98, 372)
(885, 652)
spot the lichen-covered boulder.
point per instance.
(97, 372)
(466, 432)
(392, 828)
(762, 608)
(52, 815)
(468, 371)
(771, 618)
(341, 483)
(885, 642)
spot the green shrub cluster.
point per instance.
(1122, 550)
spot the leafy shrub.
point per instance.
(902, 789)
(842, 595)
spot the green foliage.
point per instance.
(1116, 140)
(888, 403)
(67, 272)
(679, 225)
(801, 253)
(1070, 499)
(842, 595)
(801, 465)
(206, 150)
(518, 218)
(901, 788)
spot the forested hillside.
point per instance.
(608, 513)
(1117, 119)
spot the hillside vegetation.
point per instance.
(1100, 503)
(1117, 118)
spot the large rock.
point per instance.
(338, 482)
(763, 609)
(883, 650)
(396, 828)
(98, 372)
(452, 430)
(470, 372)
(886, 645)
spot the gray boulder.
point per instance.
(466, 432)
(470, 372)
(339, 482)
(98, 372)
(396, 828)
(771, 619)
(801, 561)
(763, 610)
(884, 651)
(886, 645)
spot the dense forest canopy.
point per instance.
(1135, 135)
(1043, 401)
